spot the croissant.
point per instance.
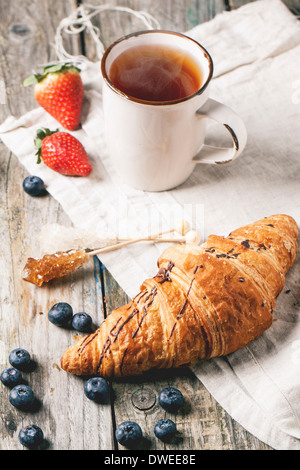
(205, 301)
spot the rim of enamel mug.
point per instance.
(155, 103)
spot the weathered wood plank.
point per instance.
(293, 5)
(176, 15)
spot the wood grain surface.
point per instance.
(68, 419)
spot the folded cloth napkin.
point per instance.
(256, 53)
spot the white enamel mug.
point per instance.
(155, 146)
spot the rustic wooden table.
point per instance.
(68, 419)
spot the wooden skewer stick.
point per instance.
(151, 237)
(182, 228)
(135, 240)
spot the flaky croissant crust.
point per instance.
(205, 301)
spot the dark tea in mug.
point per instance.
(155, 73)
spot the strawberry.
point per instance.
(62, 152)
(59, 90)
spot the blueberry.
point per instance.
(97, 390)
(82, 322)
(20, 359)
(22, 397)
(170, 399)
(60, 314)
(165, 429)
(129, 434)
(31, 436)
(34, 186)
(11, 377)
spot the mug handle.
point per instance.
(235, 126)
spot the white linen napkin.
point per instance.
(256, 53)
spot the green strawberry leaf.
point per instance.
(40, 133)
(32, 79)
(59, 68)
(38, 143)
(54, 68)
(39, 154)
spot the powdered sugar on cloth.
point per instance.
(256, 54)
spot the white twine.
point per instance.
(80, 21)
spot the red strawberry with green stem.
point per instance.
(62, 152)
(59, 90)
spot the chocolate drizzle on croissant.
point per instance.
(205, 301)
